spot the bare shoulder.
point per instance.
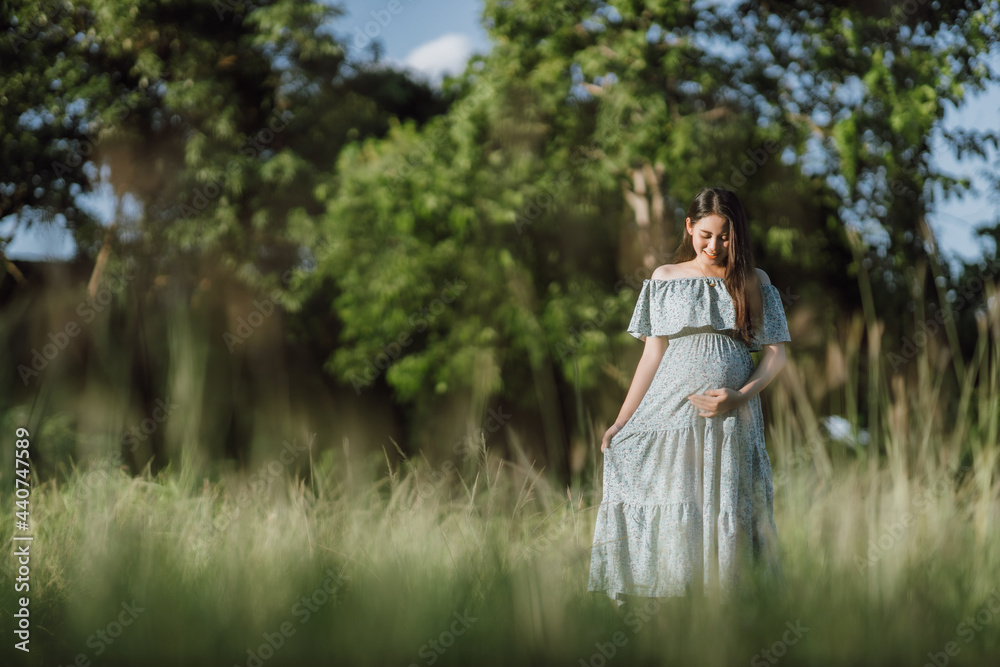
(764, 280)
(668, 271)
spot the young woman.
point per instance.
(687, 503)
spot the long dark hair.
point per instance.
(741, 274)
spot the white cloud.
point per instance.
(446, 54)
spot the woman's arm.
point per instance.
(771, 362)
(652, 354)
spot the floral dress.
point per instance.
(687, 500)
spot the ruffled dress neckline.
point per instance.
(678, 306)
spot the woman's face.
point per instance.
(710, 237)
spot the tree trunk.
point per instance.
(102, 261)
(645, 197)
(12, 268)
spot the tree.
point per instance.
(213, 120)
(571, 154)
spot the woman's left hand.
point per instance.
(716, 401)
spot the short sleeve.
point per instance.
(775, 326)
(641, 326)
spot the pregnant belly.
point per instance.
(691, 364)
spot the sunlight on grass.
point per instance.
(889, 555)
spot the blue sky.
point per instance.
(431, 37)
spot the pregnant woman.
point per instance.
(687, 504)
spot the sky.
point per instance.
(432, 37)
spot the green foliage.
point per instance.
(219, 117)
(479, 239)
(517, 189)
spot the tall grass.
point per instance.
(891, 550)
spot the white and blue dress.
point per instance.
(687, 500)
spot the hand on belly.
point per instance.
(716, 401)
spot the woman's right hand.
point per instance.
(606, 442)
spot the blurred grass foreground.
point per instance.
(889, 558)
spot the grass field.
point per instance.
(891, 557)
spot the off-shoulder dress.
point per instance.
(687, 500)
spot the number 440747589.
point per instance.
(22, 472)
